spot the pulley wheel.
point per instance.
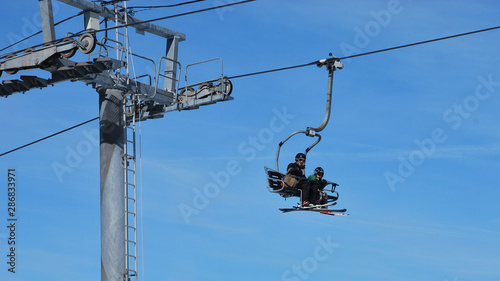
(69, 53)
(182, 96)
(228, 87)
(10, 71)
(88, 41)
(29, 50)
(204, 90)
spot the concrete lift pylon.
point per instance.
(122, 101)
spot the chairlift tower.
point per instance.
(123, 101)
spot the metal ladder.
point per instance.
(118, 22)
(130, 104)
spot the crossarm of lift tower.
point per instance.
(151, 100)
(140, 25)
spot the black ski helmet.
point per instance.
(319, 171)
(300, 156)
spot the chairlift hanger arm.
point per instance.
(331, 64)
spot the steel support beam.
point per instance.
(171, 65)
(109, 14)
(47, 20)
(91, 20)
(111, 130)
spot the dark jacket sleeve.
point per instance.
(314, 181)
(294, 170)
(322, 184)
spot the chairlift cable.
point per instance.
(26, 38)
(368, 53)
(165, 6)
(130, 24)
(289, 67)
(47, 137)
(172, 16)
(423, 42)
(272, 70)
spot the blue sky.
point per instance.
(413, 141)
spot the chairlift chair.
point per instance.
(276, 179)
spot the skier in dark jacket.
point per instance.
(297, 170)
(317, 184)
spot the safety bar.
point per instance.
(220, 79)
(176, 79)
(145, 75)
(291, 135)
(121, 48)
(148, 59)
(205, 61)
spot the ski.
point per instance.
(333, 213)
(320, 210)
(317, 206)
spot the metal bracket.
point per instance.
(333, 63)
(310, 132)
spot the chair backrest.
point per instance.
(275, 179)
(276, 184)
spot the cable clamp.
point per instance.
(310, 132)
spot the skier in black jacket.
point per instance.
(297, 170)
